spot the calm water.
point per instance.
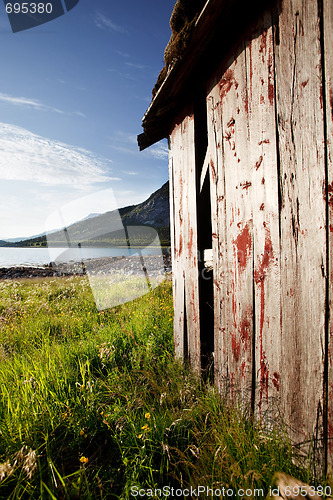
(10, 257)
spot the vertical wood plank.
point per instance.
(191, 245)
(239, 222)
(328, 67)
(185, 271)
(229, 115)
(176, 211)
(263, 161)
(303, 233)
(215, 159)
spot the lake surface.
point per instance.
(15, 256)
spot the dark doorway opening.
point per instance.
(204, 227)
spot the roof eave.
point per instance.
(157, 120)
(220, 24)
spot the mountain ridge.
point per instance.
(153, 212)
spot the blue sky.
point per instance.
(72, 95)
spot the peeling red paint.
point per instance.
(216, 283)
(271, 91)
(304, 84)
(180, 249)
(259, 162)
(246, 185)
(242, 335)
(213, 171)
(243, 366)
(276, 381)
(181, 186)
(234, 306)
(231, 122)
(251, 65)
(262, 206)
(243, 244)
(195, 312)
(267, 258)
(264, 376)
(226, 82)
(263, 42)
(228, 135)
(259, 277)
(265, 141)
(236, 347)
(263, 180)
(245, 101)
(190, 244)
(246, 329)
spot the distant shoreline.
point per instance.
(62, 245)
(98, 265)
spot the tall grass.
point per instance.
(94, 405)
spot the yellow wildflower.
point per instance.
(81, 432)
(147, 416)
(84, 460)
(145, 427)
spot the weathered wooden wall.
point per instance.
(269, 161)
(184, 240)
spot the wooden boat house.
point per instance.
(246, 101)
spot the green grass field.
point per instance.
(94, 405)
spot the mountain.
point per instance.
(106, 230)
(155, 211)
(90, 216)
(15, 240)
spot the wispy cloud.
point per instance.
(136, 65)
(34, 104)
(127, 143)
(107, 24)
(159, 150)
(25, 156)
(122, 54)
(130, 172)
(27, 102)
(126, 76)
(124, 142)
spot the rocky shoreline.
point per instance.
(126, 265)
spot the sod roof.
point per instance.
(203, 32)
